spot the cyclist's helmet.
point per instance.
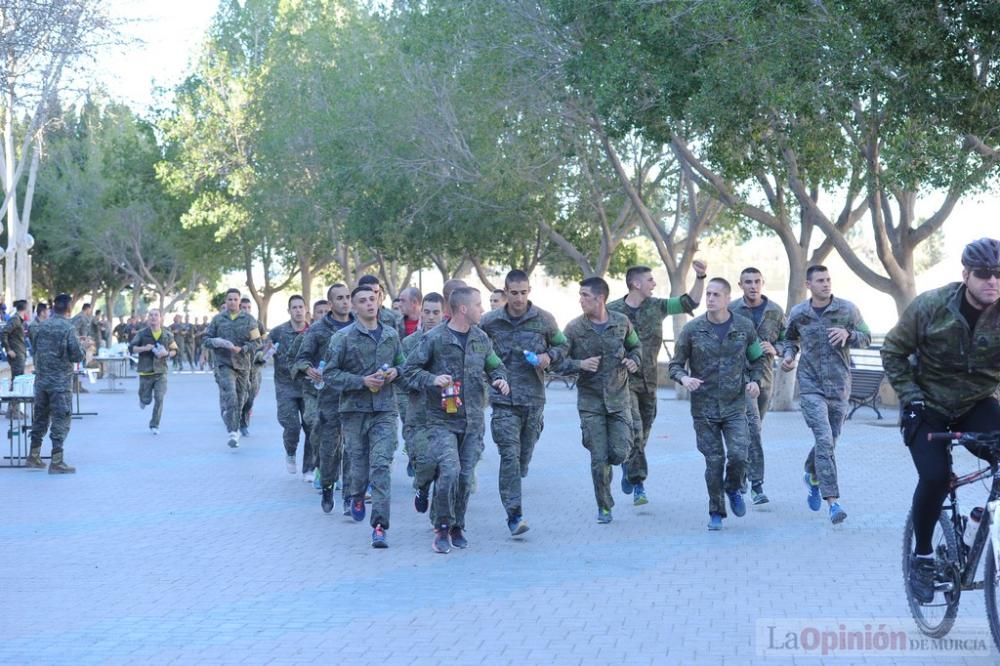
(983, 253)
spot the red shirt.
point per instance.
(411, 325)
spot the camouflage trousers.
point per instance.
(252, 391)
(184, 351)
(291, 411)
(725, 461)
(416, 438)
(607, 436)
(16, 368)
(451, 459)
(371, 440)
(329, 437)
(402, 403)
(55, 407)
(643, 415)
(824, 416)
(515, 431)
(756, 409)
(153, 389)
(233, 387)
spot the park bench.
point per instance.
(866, 380)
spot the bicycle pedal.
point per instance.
(944, 587)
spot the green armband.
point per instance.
(754, 351)
(492, 362)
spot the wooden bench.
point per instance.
(867, 374)
(568, 380)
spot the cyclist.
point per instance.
(943, 360)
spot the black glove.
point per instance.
(910, 419)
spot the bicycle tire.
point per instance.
(990, 588)
(932, 626)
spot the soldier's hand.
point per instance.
(768, 348)
(502, 386)
(374, 381)
(390, 375)
(442, 380)
(314, 374)
(700, 266)
(544, 361)
(630, 365)
(837, 336)
(11, 354)
(691, 383)
(788, 364)
(753, 390)
(590, 364)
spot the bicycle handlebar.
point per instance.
(978, 437)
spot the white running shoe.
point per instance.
(290, 464)
(155, 431)
(234, 440)
(307, 477)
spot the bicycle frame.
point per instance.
(989, 526)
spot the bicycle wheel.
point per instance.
(936, 618)
(990, 586)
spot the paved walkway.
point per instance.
(177, 549)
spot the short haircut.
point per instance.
(86, 306)
(320, 303)
(41, 307)
(329, 291)
(152, 310)
(397, 299)
(449, 286)
(462, 296)
(634, 273)
(597, 286)
(501, 292)
(724, 283)
(434, 297)
(514, 276)
(295, 297)
(233, 290)
(360, 289)
(750, 269)
(817, 268)
(20, 305)
(411, 294)
(368, 280)
(245, 299)
(60, 304)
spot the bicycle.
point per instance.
(956, 562)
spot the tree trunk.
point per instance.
(307, 279)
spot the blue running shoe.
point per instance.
(517, 525)
(627, 487)
(604, 516)
(358, 510)
(715, 522)
(737, 504)
(837, 514)
(378, 537)
(317, 483)
(639, 495)
(814, 500)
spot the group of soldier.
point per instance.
(344, 378)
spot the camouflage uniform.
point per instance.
(288, 394)
(256, 362)
(415, 439)
(718, 407)
(824, 378)
(770, 329)
(455, 440)
(32, 331)
(517, 418)
(197, 336)
(232, 368)
(153, 371)
(603, 398)
(368, 418)
(321, 411)
(185, 346)
(57, 348)
(12, 339)
(83, 324)
(647, 320)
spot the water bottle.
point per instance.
(272, 351)
(321, 384)
(531, 357)
(381, 373)
(972, 526)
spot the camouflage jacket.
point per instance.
(180, 333)
(647, 320)
(606, 390)
(83, 325)
(284, 337)
(392, 319)
(148, 363)
(32, 330)
(440, 353)
(724, 366)
(770, 329)
(355, 353)
(242, 330)
(955, 367)
(415, 415)
(823, 368)
(311, 347)
(536, 331)
(57, 348)
(12, 337)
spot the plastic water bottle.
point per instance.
(381, 372)
(972, 526)
(531, 357)
(272, 351)
(321, 384)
